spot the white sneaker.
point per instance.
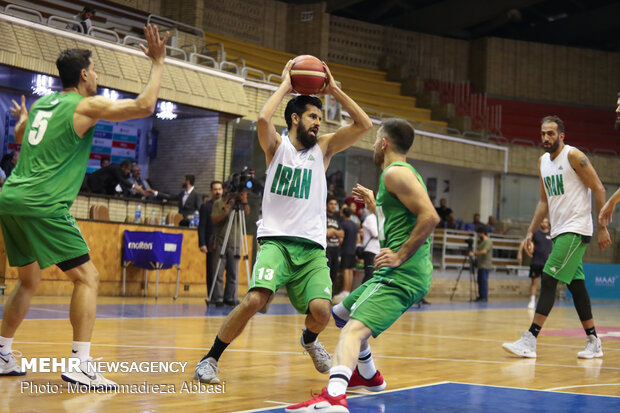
(593, 348)
(340, 297)
(206, 371)
(89, 376)
(523, 347)
(532, 304)
(9, 366)
(320, 357)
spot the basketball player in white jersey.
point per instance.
(567, 181)
(604, 217)
(292, 233)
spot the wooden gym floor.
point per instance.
(442, 357)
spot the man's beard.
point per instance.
(553, 147)
(307, 140)
(378, 158)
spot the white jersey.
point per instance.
(569, 199)
(295, 195)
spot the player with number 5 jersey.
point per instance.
(38, 230)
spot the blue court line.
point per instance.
(179, 309)
(473, 398)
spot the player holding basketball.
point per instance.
(292, 233)
(403, 269)
(36, 224)
(567, 180)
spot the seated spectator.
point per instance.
(475, 225)
(8, 162)
(491, 224)
(87, 13)
(137, 181)
(114, 180)
(104, 162)
(443, 211)
(450, 222)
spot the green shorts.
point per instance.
(565, 261)
(299, 265)
(48, 241)
(379, 302)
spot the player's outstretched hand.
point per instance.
(364, 195)
(286, 76)
(604, 240)
(157, 46)
(604, 217)
(330, 82)
(17, 110)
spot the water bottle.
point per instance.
(196, 218)
(138, 215)
(153, 222)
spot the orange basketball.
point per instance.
(307, 75)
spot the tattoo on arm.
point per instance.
(583, 161)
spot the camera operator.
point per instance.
(484, 261)
(220, 215)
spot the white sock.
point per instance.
(533, 298)
(81, 350)
(365, 364)
(5, 345)
(341, 311)
(338, 380)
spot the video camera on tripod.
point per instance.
(472, 265)
(239, 181)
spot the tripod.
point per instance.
(239, 239)
(472, 279)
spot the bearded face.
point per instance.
(307, 135)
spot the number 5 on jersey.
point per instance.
(38, 127)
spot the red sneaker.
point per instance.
(321, 403)
(358, 382)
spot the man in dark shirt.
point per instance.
(189, 199)
(335, 235)
(347, 254)
(206, 236)
(113, 180)
(443, 211)
(542, 248)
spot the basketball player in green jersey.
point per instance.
(36, 224)
(406, 218)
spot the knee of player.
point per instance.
(321, 310)
(254, 300)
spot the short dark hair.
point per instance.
(70, 64)
(191, 179)
(400, 133)
(331, 198)
(215, 183)
(556, 119)
(89, 9)
(347, 212)
(126, 164)
(482, 229)
(298, 105)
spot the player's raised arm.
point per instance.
(20, 112)
(347, 135)
(91, 109)
(268, 138)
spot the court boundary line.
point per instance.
(554, 389)
(539, 390)
(438, 359)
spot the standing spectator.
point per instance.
(352, 205)
(443, 211)
(87, 13)
(220, 216)
(542, 248)
(206, 236)
(347, 253)
(335, 235)
(137, 181)
(189, 200)
(370, 240)
(103, 162)
(8, 162)
(484, 252)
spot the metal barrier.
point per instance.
(66, 22)
(174, 24)
(247, 70)
(194, 58)
(519, 141)
(225, 64)
(272, 76)
(95, 29)
(26, 10)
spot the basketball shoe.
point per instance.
(320, 357)
(375, 384)
(9, 366)
(89, 376)
(593, 348)
(523, 347)
(322, 402)
(206, 371)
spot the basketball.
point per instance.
(307, 75)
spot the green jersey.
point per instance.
(52, 161)
(395, 224)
